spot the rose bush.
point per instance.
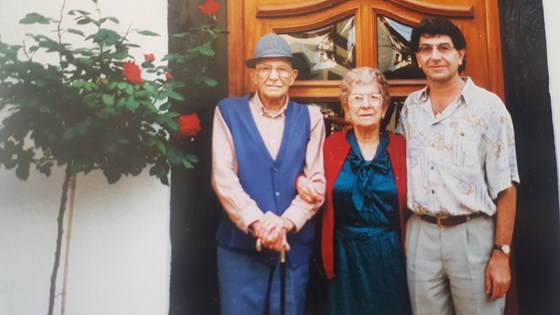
(92, 110)
(96, 108)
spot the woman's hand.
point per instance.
(307, 192)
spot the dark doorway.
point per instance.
(537, 230)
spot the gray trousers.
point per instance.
(445, 267)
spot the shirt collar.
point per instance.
(263, 111)
(469, 91)
(466, 95)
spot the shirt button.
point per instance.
(433, 191)
(277, 194)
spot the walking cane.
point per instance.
(283, 282)
(258, 246)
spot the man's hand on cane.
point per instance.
(271, 230)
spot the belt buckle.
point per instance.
(438, 221)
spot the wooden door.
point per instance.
(374, 24)
(328, 37)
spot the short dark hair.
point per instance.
(439, 26)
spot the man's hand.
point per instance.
(271, 230)
(307, 191)
(497, 276)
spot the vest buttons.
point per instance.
(277, 194)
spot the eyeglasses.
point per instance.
(442, 48)
(264, 71)
(357, 100)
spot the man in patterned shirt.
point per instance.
(462, 177)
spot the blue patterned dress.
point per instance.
(369, 264)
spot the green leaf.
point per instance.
(69, 134)
(193, 158)
(78, 84)
(148, 87)
(112, 175)
(110, 18)
(83, 20)
(46, 168)
(132, 104)
(24, 162)
(207, 50)
(161, 147)
(22, 171)
(186, 163)
(32, 18)
(106, 37)
(164, 180)
(166, 107)
(122, 85)
(118, 56)
(172, 124)
(108, 100)
(75, 31)
(142, 94)
(129, 89)
(174, 95)
(82, 128)
(181, 35)
(81, 12)
(147, 33)
(209, 81)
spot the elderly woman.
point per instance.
(365, 200)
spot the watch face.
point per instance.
(503, 248)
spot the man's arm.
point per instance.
(300, 211)
(498, 274)
(239, 206)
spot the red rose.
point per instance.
(149, 57)
(189, 125)
(210, 7)
(168, 76)
(132, 72)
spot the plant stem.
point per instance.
(59, 28)
(69, 225)
(60, 231)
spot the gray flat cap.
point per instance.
(270, 46)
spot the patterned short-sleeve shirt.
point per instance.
(459, 160)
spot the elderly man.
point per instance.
(462, 177)
(261, 143)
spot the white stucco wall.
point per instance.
(120, 248)
(552, 24)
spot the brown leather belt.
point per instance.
(443, 221)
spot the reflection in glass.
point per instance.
(393, 49)
(326, 53)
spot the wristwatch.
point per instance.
(504, 248)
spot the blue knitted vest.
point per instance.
(271, 183)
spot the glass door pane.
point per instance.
(324, 53)
(394, 53)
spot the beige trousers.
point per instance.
(445, 267)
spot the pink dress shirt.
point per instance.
(239, 206)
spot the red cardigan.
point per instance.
(335, 149)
